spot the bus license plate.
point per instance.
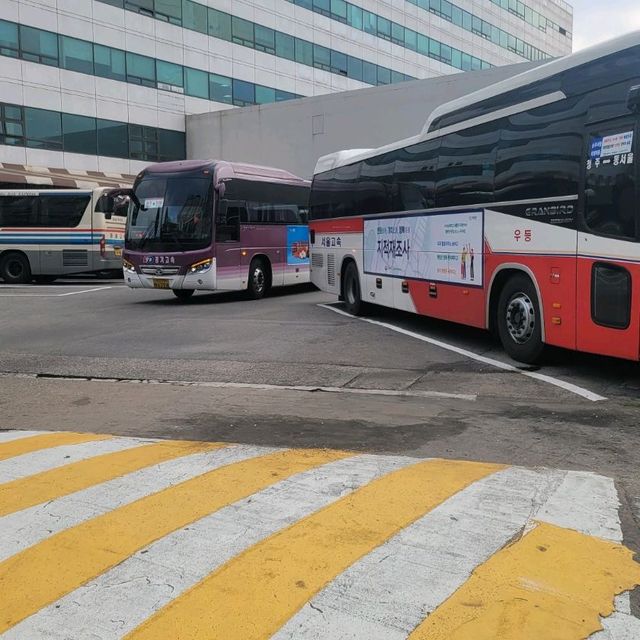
(117, 251)
(160, 283)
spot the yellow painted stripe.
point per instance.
(55, 483)
(45, 441)
(49, 570)
(553, 583)
(254, 594)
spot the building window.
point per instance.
(76, 55)
(265, 95)
(113, 139)
(170, 74)
(43, 129)
(220, 89)
(304, 52)
(38, 46)
(143, 142)
(321, 57)
(141, 70)
(9, 45)
(79, 134)
(285, 46)
(265, 39)
(197, 83)
(11, 125)
(169, 10)
(219, 24)
(144, 7)
(170, 145)
(109, 63)
(242, 32)
(194, 16)
(243, 93)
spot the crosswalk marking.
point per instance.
(52, 458)
(425, 563)
(124, 537)
(103, 466)
(550, 578)
(8, 436)
(22, 446)
(276, 577)
(41, 574)
(139, 585)
(26, 528)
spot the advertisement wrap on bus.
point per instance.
(217, 226)
(516, 209)
(49, 233)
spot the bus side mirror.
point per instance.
(633, 99)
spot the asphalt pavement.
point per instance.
(293, 370)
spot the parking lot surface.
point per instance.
(556, 448)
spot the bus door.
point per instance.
(608, 276)
(230, 273)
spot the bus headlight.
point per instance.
(127, 266)
(201, 266)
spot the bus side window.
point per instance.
(62, 211)
(230, 214)
(18, 211)
(610, 190)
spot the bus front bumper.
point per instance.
(201, 280)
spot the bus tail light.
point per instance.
(103, 247)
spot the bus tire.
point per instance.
(351, 292)
(183, 294)
(519, 320)
(258, 283)
(15, 268)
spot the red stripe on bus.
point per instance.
(339, 225)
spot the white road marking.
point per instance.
(29, 464)
(389, 592)
(75, 293)
(8, 436)
(124, 597)
(567, 386)
(51, 295)
(30, 526)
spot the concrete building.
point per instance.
(294, 135)
(105, 85)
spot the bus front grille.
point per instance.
(331, 269)
(160, 271)
(75, 258)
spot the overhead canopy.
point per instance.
(20, 174)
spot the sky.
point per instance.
(598, 20)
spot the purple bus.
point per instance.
(216, 226)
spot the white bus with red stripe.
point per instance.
(516, 209)
(47, 233)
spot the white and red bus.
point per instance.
(211, 225)
(516, 210)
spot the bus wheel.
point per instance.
(183, 294)
(258, 280)
(351, 290)
(15, 269)
(42, 279)
(519, 320)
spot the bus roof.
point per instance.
(224, 170)
(432, 128)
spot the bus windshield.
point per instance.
(170, 214)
